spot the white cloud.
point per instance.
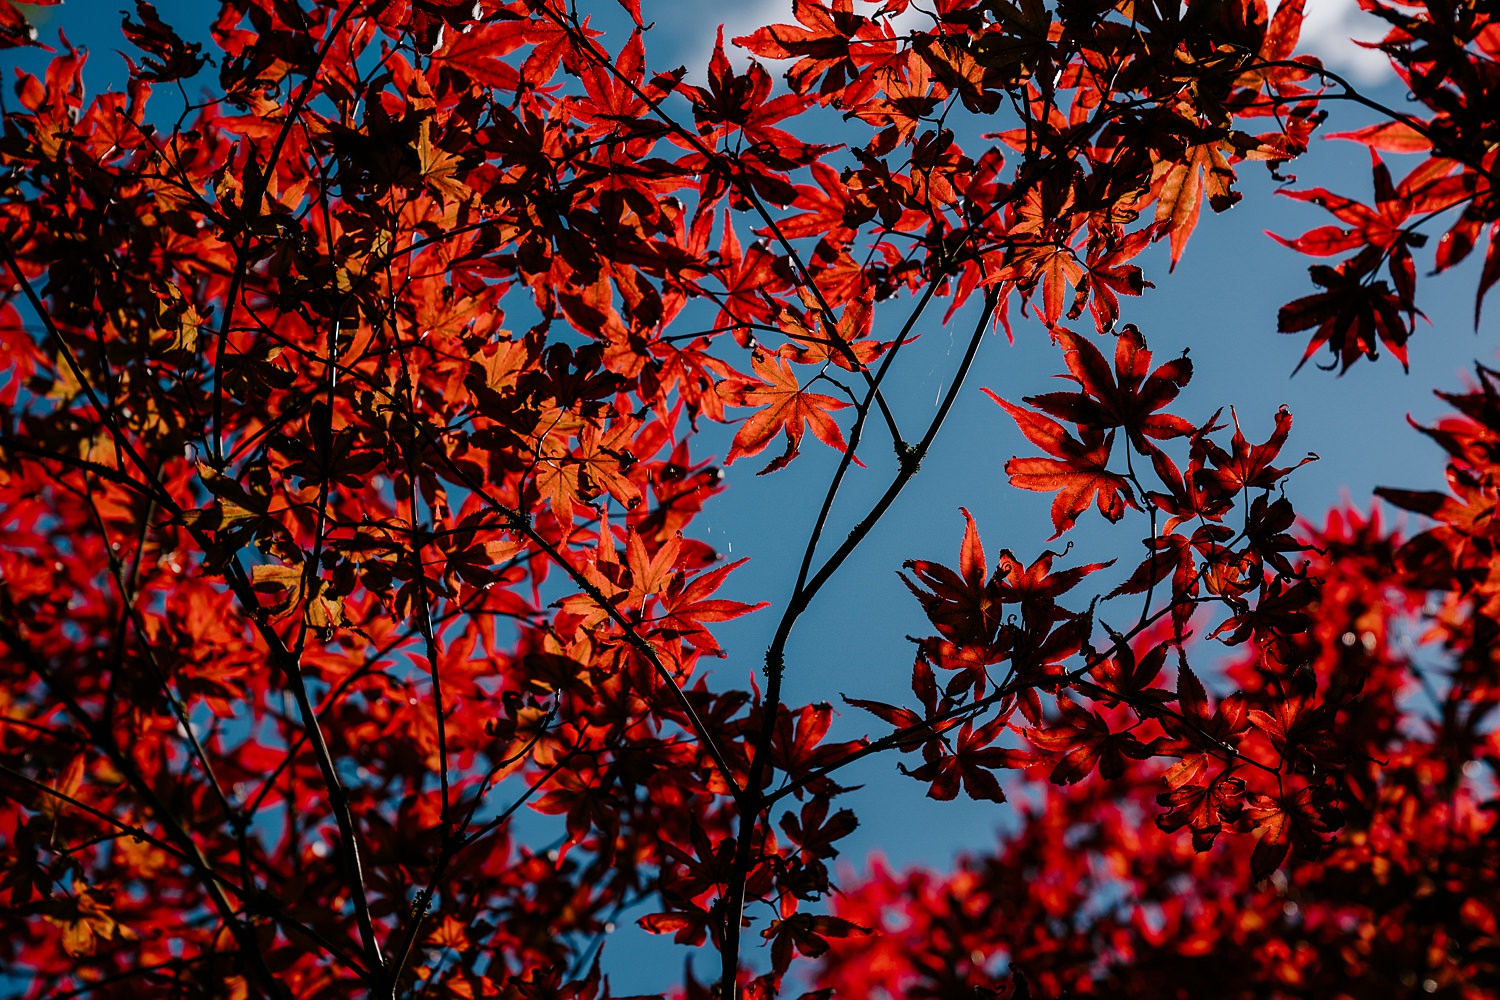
(743, 19)
(700, 19)
(1330, 29)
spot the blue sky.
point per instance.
(1221, 302)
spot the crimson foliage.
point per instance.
(315, 573)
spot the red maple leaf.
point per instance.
(1249, 466)
(1352, 317)
(1181, 182)
(1077, 471)
(741, 105)
(1298, 819)
(686, 605)
(829, 211)
(1108, 276)
(1084, 741)
(964, 606)
(785, 407)
(1128, 398)
(832, 45)
(846, 345)
(1203, 807)
(972, 764)
(748, 277)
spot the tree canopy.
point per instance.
(363, 360)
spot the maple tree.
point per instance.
(350, 458)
